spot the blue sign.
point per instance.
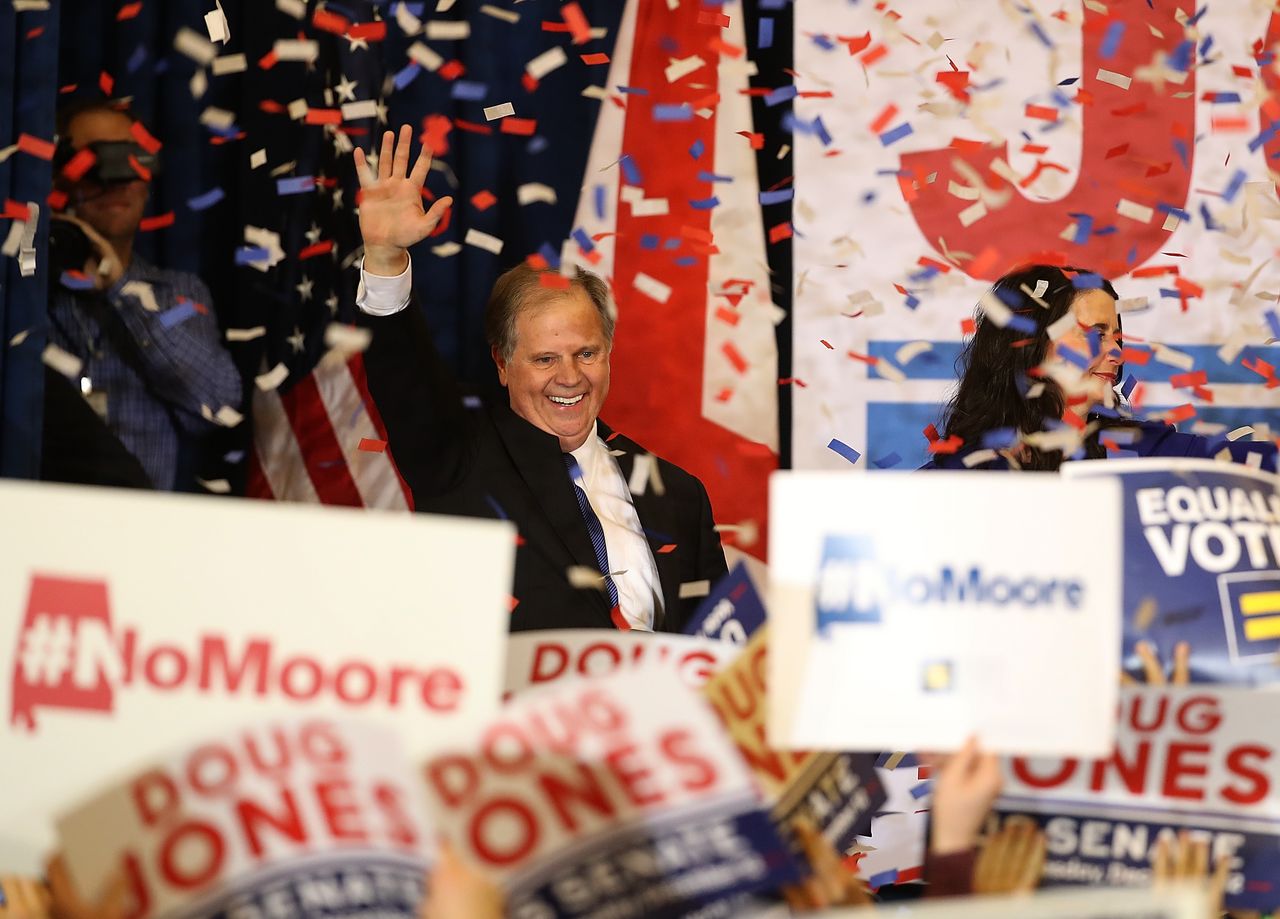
(732, 611)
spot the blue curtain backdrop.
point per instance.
(206, 182)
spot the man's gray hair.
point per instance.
(522, 286)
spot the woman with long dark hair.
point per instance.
(1038, 377)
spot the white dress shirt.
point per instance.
(635, 573)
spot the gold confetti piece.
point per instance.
(1146, 614)
(691, 589)
(215, 486)
(682, 67)
(228, 416)
(972, 214)
(1134, 211)
(1240, 432)
(546, 62)
(296, 49)
(651, 287)
(535, 192)
(978, 457)
(448, 29)
(249, 334)
(364, 108)
(1113, 78)
(19, 338)
(502, 110)
(229, 63)
(424, 56)
(510, 16)
(192, 44)
(910, 351)
(585, 578)
(409, 24)
(295, 8)
(1132, 305)
(444, 250)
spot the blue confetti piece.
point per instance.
(1264, 137)
(1060, 99)
(537, 144)
(177, 314)
(1087, 281)
(137, 59)
(1169, 293)
(883, 878)
(233, 456)
(75, 282)
(780, 95)
(704, 176)
(406, 75)
(1273, 323)
(1223, 98)
(599, 196)
(550, 254)
(247, 254)
(1084, 226)
(1000, 438)
(630, 170)
(696, 149)
(496, 507)
(912, 301)
(680, 112)
(704, 204)
(1206, 46)
(842, 448)
(919, 791)
(821, 130)
(1069, 81)
(887, 462)
(1024, 324)
(1040, 34)
(1072, 356)
(777, 197)
(649, 241)
(764, 34)
(1111, 41)
(672, 244)
(1196, 18)
(895, 134)
(1209, 223)
(1175, 211)
(582, 239)
(207, 200)
(685, 261)
(774, 4)
(1181, 57)
(633, 91)
(469, 90)
(1233, 187)
(472, 402)
(295, 185)
(1094, 338)
(823, 42)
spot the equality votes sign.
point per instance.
(949, 604)
(303, 817)
(131, 624)
(618, 796)
(1201, 564)
(1202, 758)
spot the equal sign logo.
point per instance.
(1251, 613)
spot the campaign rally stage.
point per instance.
(950, 604)
(213, 614)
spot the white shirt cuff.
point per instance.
(381, 296)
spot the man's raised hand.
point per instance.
(391, 215)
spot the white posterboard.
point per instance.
(1171, 903)
(910, 610)
(132, 624)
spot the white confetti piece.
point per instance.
(650, 207)
(143, 292)
(296, 49)
(257, 158)
(215, 486)
(651, 287)
(482, 240)
(448, 29)
(972, 214)
(1132, 305)
(1134, 211)
(584, 577)
(349, 339)
(510, 16)
(532, 192)
(1041, 286)
(272, 379)
(1063, 326)
(266, 239)
(215, 21)
(6, 152)
(424, 56)
(995, 309)
(295, 8)
(546, 62)
(229, 63)
(444, 250)
(890, 372)
(22, 336)
(30, 6)
(1240, 432)
(199, 84)
(591, 92)
(691, 589)
(910, 351)
(27, 244)
(228, 417)
(502, 110)
(195, 46)
(298, 109)
(1167, 355)
(13, 239)
(365, 108)
(683, 66)
(218, 118)
(248, 334)
(963, 192)
(63, 362)
(978, 457)
(1113, 78)
(409, 24)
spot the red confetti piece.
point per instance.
(712, 18)
(1185, 380)
(1181, 413)
(735, 357)
(464, 125)
(553, 280)
(128, 11)
(865, 358)
(158, 222)
(79, 164)
(370, 445)
(1201, 393)
(106, 83)
(875, 54)
(69, 88)
(577, 23)
(268, 60)
(483, 200)
(950, 445)
(720, 46)
(323, 116)
(326, 21)
(451, 70)
(882, 120)
(1135, 356)
(968, 326)
(530, 84)
(323, 247)
(141, 171)
(757, 140)
(1225, 124)
(667, 549)
(35, 146)
(34, 33)
(523, 127)
(985, 261)
(1073, 419)
(593, 59)
(435, 134)
(787, 381)
(57, 199)
(512, 603)
(619, 620)
(855, 44)
(1042, 112)
(727, 316)
(15, 210)
(724, 395)
(956, 82)
(369, 31)
(780, 232)
(1035, 149)
(931, 433)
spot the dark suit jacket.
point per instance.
(483, 460)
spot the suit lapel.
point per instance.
(537, 458)
(654, 513)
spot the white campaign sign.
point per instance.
(135, 623)
(941, 605)
(1176, 903)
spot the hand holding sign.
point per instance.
(1012, 859)
(458, 890)
(23, 898)
(1187, 860)
(967, 785)
(391, 215)
(67, 903)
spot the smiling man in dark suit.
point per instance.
(610, 536)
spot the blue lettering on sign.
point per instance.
(854, 587)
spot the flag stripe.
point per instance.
(283, 468)
(356, 367)
(319, 445)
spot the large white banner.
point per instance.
(935, 145)
(133, 624)
(925, 596)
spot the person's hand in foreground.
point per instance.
(831, 884)
(1153, 668)
(1012, 859)
(457, 890)
(68, 904)
(391, 214)
(23, 898)
(1186, 860)
(966, 785)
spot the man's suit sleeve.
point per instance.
(428, 428)
(711, 563)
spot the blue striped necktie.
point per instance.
(594, 528)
